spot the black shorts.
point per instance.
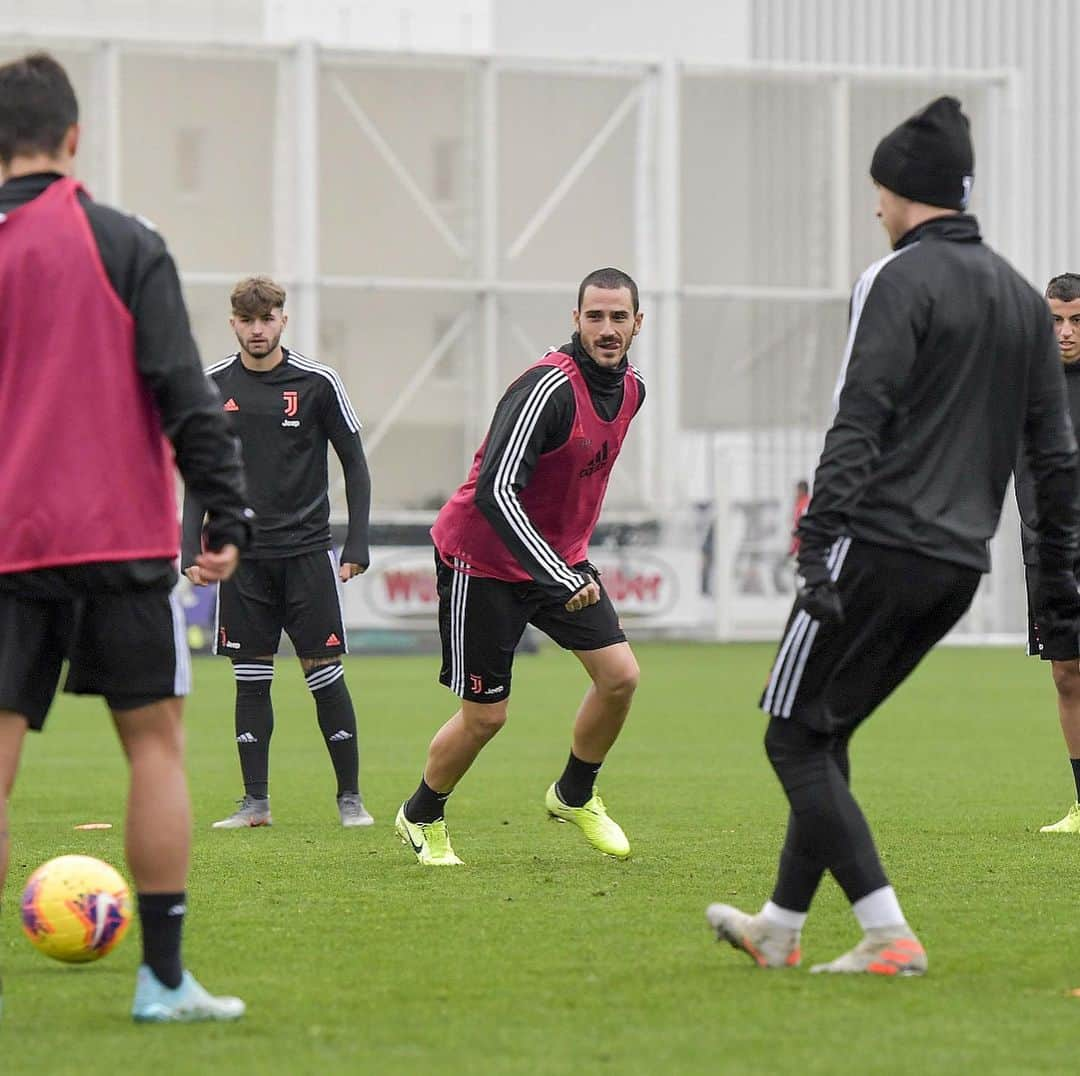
(897, 605)
(1054, 647)
(481, 622)
(129, 646)
(298, 594)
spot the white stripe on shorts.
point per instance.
(787, 672)
(182, 673)
(804, 653)
(217, 619)
(459, 592)
(337, 590)
(781, 677)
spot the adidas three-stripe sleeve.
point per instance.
(880, 352)
(535, 416)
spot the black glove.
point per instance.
(1057, 602)
(817, 591)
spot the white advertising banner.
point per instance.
(650, 587)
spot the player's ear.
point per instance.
(71, 139)
(637, 322)
(577, 320)
(284, 320)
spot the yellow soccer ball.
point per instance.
(75, 909)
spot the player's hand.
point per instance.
(822, 602)
(817, 591)
(588, 595)
(347, 571)
(1057, 601)
(213, 567)
(194, 573)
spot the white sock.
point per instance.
(879, 909)
(783, 917)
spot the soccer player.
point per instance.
(511, 548)
(1063, 652)
(97, 369)
(950, 359)
(285, 408)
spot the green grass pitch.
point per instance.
(540, 956)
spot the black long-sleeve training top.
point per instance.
(1025, 481)
(142, 273)
(285, 418)
(951, 359)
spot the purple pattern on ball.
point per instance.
(33, 922)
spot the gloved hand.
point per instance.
(817, 591)
(1057, 602)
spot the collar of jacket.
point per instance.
(25, 188)
(956, 228)
(602, 381)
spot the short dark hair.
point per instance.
(1065, 288)
(608, 278)
(256, 296)
(37, 106)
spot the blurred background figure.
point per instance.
(802, 502)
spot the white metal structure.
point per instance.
(432, 215)
(1036, 40)
(1037, 150)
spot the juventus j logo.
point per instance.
(475, 683)
(292, 402)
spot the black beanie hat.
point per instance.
(929, 157)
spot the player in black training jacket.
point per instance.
(950, 360)
(286, 408)
(1063, 652)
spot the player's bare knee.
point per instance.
(484, 720)
(620, 683)
(1067, 679)
(152, 732)
(163, 744)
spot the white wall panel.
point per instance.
(1037, 38)
(1027, 143)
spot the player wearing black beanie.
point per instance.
(950, 362)
(929, 157)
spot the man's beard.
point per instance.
(270, 346)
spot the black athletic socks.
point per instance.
(254, 723)
(162, 919)
(1075, 763)
(337, 720)
(575, 787)
(425, 804)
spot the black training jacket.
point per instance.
(1025, 482)
(950, 361)
(285, 418)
